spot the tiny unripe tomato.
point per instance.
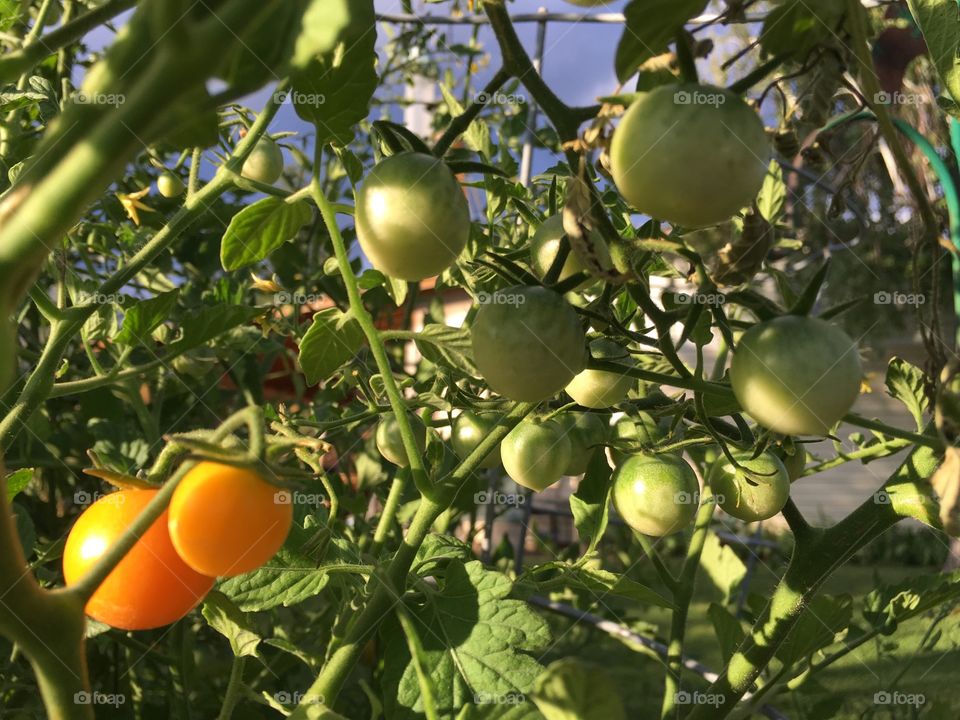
(528, 343)
(152, 586)
(599, 388)
(656, 494)
(264, 163)
(795, 463)
(469, 430)
(226, 520)
(535, 454)
(640, 429)
(796, 375)
(412, 216)
(390, 443)
(690, 154)
(170, 185)
(587, 431)
(758, 491)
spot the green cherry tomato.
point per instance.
(545, 245)
(637, 431)
(599, 388)
(757, 492)
(264, 163)
(796, 375)
(587, 431)
(528, 342)
(469, 429)
(170, 185)
(795, 463)
(690, 154)
(390, 443)
(412, 216)
(656, 494)
(535, 454)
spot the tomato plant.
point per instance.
(469, 429)
(152, 586)
(536, 454)
(756, 490)
(265, 162)
(655, 494)
(601, 388)
(390, 442)
(170, 185)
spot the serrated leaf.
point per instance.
(590, 505)
(209, 322)
(905, 382)
(772, 194)
(17, 481)
(332, 339)
(475, 644)
(604, 582)
(891, 604)
(445, 345)
(228, 620)
(938, 22)
(722, 566)
(142, 318)
(259, 229)
(570, 689)
(650, 26)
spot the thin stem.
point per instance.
(234, 688)
(385, 523)
(460, 123)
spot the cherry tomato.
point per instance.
(412, 216)
(600, 388)
(758, 491)
(587, 431)
(656, 494)
(170, 185)
(264, 163)
(795, 463)
(469, 429)
(536, 454)
(545, 244)
(796, 375)
(152, 586)
(690, 154)
(226, 520)
(389, 442)
(636, 433)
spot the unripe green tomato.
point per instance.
(469, 430)
(264, 163)
(390, 443)
(535, 454)
(599, 388)
(528, 343)
(170, 185)
(545, 244)
(412, 216)
(690, 154)
(587, 431)
(796, 375)
(639, 429)
(656, 494)
(796, 463)
(757, 492)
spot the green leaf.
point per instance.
(819, 624)
(141, 319)
(328, 23)
(905, 382)
(570, 689)
(332, 339)
(604, 582)
(333, 88)
(722, 566)
(477, 135)
(228, 620)
(728, 630)
(26, 530)
(773, 193)
(591, 503)
(265, 49)
(650, 26)
(448, 346)
(892, 604)
(259, 229)
(209, 322)
(938, 22)
(17, 482)
(796, 26)
(475, 644)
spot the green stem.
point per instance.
(385, 522)
(234, 688)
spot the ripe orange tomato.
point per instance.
(151, 586)
(226, 520)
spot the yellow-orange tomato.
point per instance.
(225, 520)
(151, 586)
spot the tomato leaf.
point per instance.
(728, 630)
(477, 136)
(797, 26)
(17, 481)
(604, 582)
(475, 645)
(259, 229)
(332, 339)
(570, 689)
(266, 47)
(209, 322)
(650, 26)
(141, 319)
(905, 382)
(818, 626)
(722, 566)
(938, 23)
(772, 194)
(591, 503)
(228, 620)
(447, 346)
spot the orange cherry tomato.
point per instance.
(151, 586)
(225, 520)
